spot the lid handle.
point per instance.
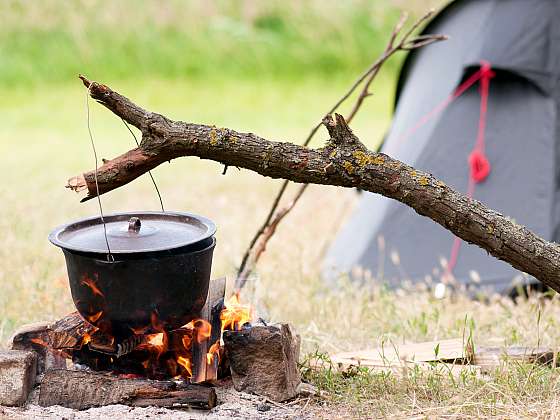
(134, 225)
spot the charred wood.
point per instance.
(205, 368)
(34, 337)
(69, 332)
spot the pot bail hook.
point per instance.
(110, 257)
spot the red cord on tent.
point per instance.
(475, 77)
(478, 162)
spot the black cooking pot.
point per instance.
(155, 276)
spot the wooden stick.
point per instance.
(69, 332)
(202, 370)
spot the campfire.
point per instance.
(157, 366)
(150, 327)
(192, 352)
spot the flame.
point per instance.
(86, 281)
(203, 330)
(186, 363)
(155, 339)
(187, 341)
(156, 343)
(86, 339)
(139, 330)
(235, 314)
(213, 352)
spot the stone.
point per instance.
(263, 360)
(18, 370)
(307, 390)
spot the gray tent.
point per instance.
(521, 41)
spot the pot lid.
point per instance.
(134, 232)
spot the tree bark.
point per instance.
(344, 161)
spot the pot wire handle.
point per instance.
(149, 172)
(110, 257)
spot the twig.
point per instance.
(268, 228)
(268, 232)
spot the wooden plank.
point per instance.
(490, 357)
(81, 390)
(453, 350)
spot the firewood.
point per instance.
(202, 370)
(34, 337)
(390, 354)
(69, 332)
(17, 376)
(491, 357)
(81, 390)
(263, 360)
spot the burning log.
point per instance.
(81, 390)
(205, 357)
(263, 360)
(70, 332)
(34, 337)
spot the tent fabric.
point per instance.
(517, 37)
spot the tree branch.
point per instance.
(344, 161)
(263, 234)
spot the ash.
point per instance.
(231, 405)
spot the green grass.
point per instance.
(355, 318)
(53, 41)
